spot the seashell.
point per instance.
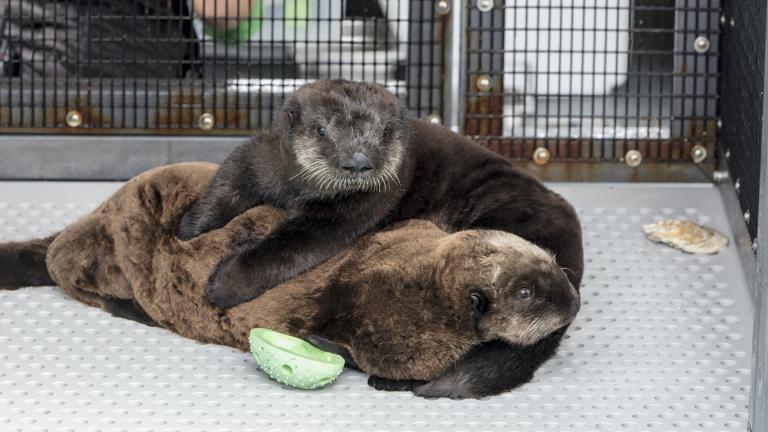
(687, 236)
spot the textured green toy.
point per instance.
(292, 361)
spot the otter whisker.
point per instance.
(527, 334)
(566, 269)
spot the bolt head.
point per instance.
(701, 44)
(728, 154)
(484, 5)
(541, 156)
(206, 121)
(699, 153)
(442, 7)
(720, 176)
(74, 119)
(434, 119)
(754, 245)
(737, 185)
(747, 216)
(633, 158)
(722, 19)
(484, 83)
(733, 22)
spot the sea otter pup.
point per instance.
(448, 294)
(332, 160)
(343, 158)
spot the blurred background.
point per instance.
(592, 83)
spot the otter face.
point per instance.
(345, 136)
(527, 295)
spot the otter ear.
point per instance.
(292, 111)
(292, 117)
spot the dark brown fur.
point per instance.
(293, 167)
(397, 300)
(444, 178)
(23, 263)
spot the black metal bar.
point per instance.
(758, 412)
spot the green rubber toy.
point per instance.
(293, 361)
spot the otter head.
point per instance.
(344, 136)
(510, 288)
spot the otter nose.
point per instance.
(575, 306)
(357, 163)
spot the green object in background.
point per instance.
(293, 361)
(295, 15)
(296, 12)
(242, 32)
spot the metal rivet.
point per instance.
(633, 158)
(719, 123)
(719, 176)
(754, 245)
(733, 22)
(442, 7)
(541, 156)
(484, 5)
(722, 19)
(728, 154)
(484, 83)
(737, 185)
(699, 153)
(434, 119)
(747, 216)
(701, 44)
(74, 119)
(206, 121)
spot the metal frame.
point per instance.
(455, 90)
(758, 411)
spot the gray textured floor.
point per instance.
(662, 344)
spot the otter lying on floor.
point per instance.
(407, 302)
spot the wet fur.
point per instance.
(368, 298)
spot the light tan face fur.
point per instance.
(315, 168)
(508, 264)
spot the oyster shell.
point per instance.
(687, 236)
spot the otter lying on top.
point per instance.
(343, 159)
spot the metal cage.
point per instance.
(595, 81)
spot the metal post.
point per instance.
(758, 407)
(455, 64)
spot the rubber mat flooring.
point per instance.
(662, 343)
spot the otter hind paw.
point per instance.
(393, 385)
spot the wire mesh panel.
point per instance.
(186, 65)
(742, 101)
(591, 80)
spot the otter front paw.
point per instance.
(393, 385)
(229, 286)
(187, 228)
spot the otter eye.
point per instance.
(386, 132)
(479, 302)
(320, 131)
(524, 294)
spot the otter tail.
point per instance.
(22, 264)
